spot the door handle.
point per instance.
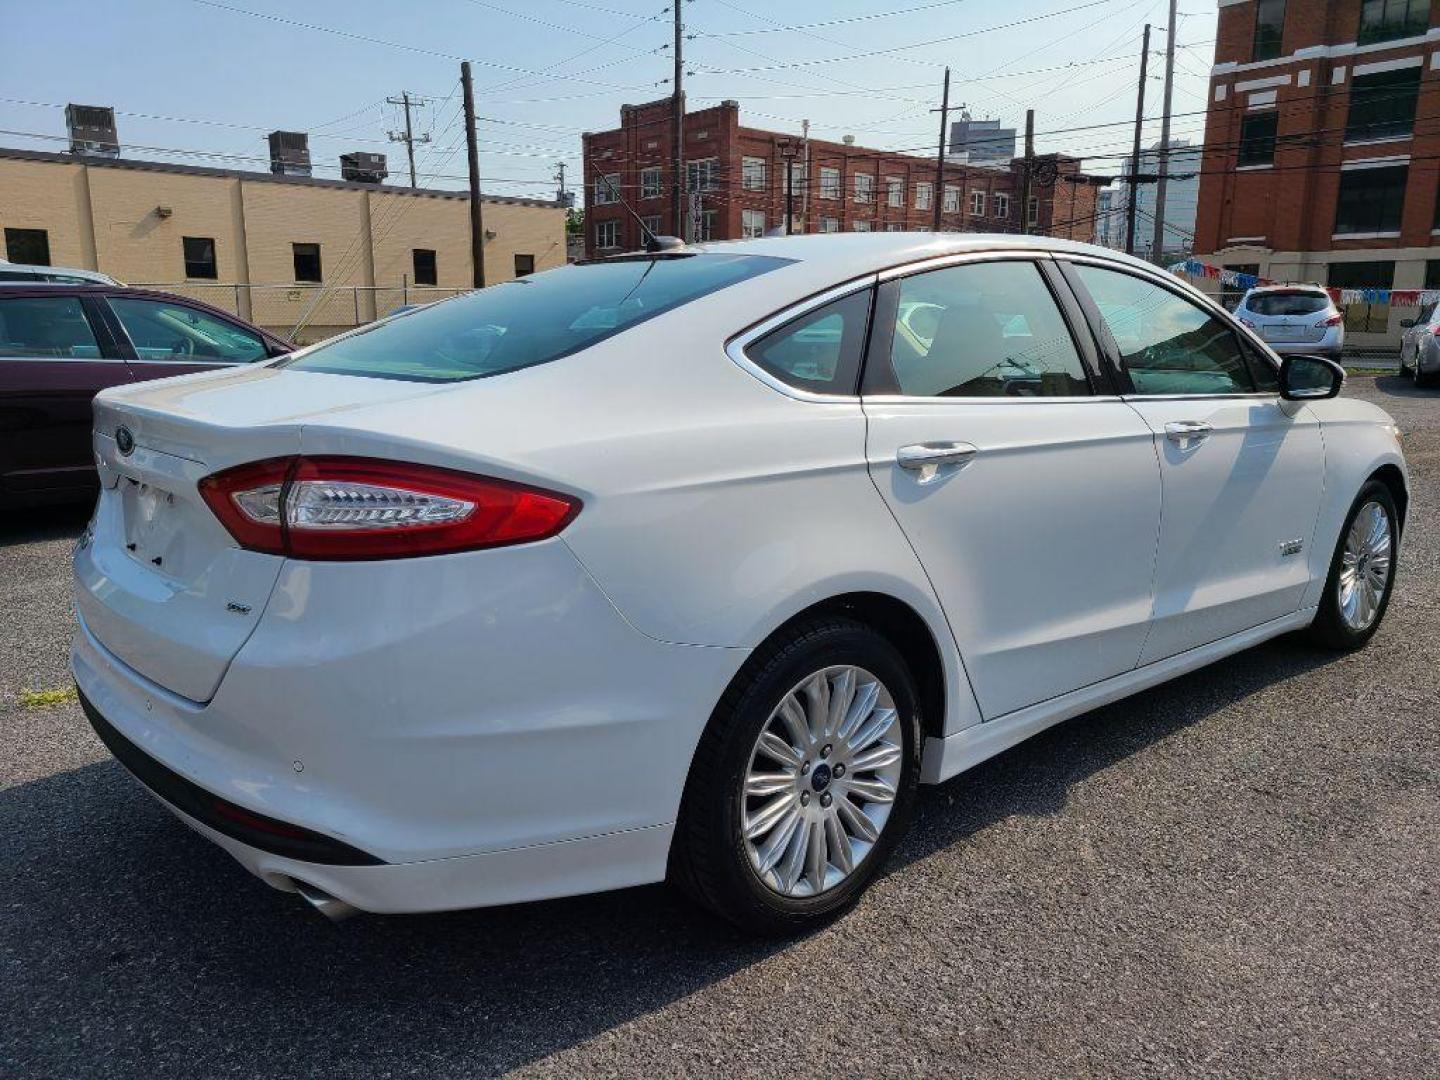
(919, 457)
(1187, 433)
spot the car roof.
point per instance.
(1308, 286)
(30, 268)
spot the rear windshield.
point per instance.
(1287, 303)
(530, 320)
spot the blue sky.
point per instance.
(210, 78)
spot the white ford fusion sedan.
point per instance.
(694, 564)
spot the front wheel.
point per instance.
(1362, 571)
(803, 781)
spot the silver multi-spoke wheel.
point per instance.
(1365, 567)
(822, 780)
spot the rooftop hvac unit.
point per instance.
(92, 130)
(290, 153)
(363, 167)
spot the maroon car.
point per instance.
(61, 344)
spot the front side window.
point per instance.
(1382, 104)
(650, 183)
(199, 254)
(752, 173)
(28, 246)
(1269, 29)
(1371, 200)
(1257, 138)
(924, 192)
(530, 320)
(752, 224)
(1386, 20)
(829, 183)
(1168, 344)
(819, 351)
(983, 330)
(307, 261)
(46, 328)
(423, 264)
(166, 331)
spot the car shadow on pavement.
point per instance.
(35, 524)
(132, 945)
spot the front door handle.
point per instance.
(1187, 433)
(926, 458)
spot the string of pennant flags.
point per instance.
(1194, 268)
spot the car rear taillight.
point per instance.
(1331, 320)
(362, 508)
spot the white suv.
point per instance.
(1295, 319)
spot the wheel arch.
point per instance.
(1391, 476)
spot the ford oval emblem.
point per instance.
(124, 440)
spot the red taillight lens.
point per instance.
(361, 508)
(1331, 320)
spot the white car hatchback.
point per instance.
(694, 564)
(1294, 319)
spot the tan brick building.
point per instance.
(274, 249)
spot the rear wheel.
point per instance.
(1362, 571)
(803, 781)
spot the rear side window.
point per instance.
(1287, 303)
(531, 320)
(820, 350)
(46, 327)
(1167, 344)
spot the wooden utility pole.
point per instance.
(1027, 186)
(677, 126)
(477, 220)
(1134, 178)
(939, 194)
(409, 138)
(1157, 250)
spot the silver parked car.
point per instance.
(1294, 319)
(1420, 346)
(54, 275)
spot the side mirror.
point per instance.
(1310, 378)
(1406, 324)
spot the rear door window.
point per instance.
(531, 320)
(46, 328)
(1287, 303)
(168, 331)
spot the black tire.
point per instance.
(709, 859)
(1330, 627)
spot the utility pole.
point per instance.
(1158, 248)
(1134, 179)
(788, 149)
(477, 221)
(677, 126)
(939, 193)
(1027, 186)
(409, 138)
(559, 178)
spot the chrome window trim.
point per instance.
(939, 262)
(31, 358)
(908, 399)
(200, 363)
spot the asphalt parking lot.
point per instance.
(1235, 874)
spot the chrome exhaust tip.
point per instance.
(332, 907)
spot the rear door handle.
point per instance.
(1187, 433)
(923, 457)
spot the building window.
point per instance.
(977, 204)
(650, 181)
(894, 226)
(1230, 295)
(1269, 29)
(701, 175)
(793, 173)
(422, 261)
(951, 204)
(830, 224)
(1257, 138)
(607, 234)
(1033, 214)
(864, 188)
(607, 189)
(307, 261)
(829, 183)
(707, 225)
(752, 173)
(860, 226)
(1382, 105)
(1385, 20)
(652, 222)
(1002, 205)
(1371, 200)
(28, 246)
(894, 191)
(524, 265)
(1364, 318)
(1432, 273)
(752, 224)
(199, 257)
(924, 192)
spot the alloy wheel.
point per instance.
(1365, 567)
(822, 781)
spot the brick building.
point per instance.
(735, 184)
(1322, 148)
